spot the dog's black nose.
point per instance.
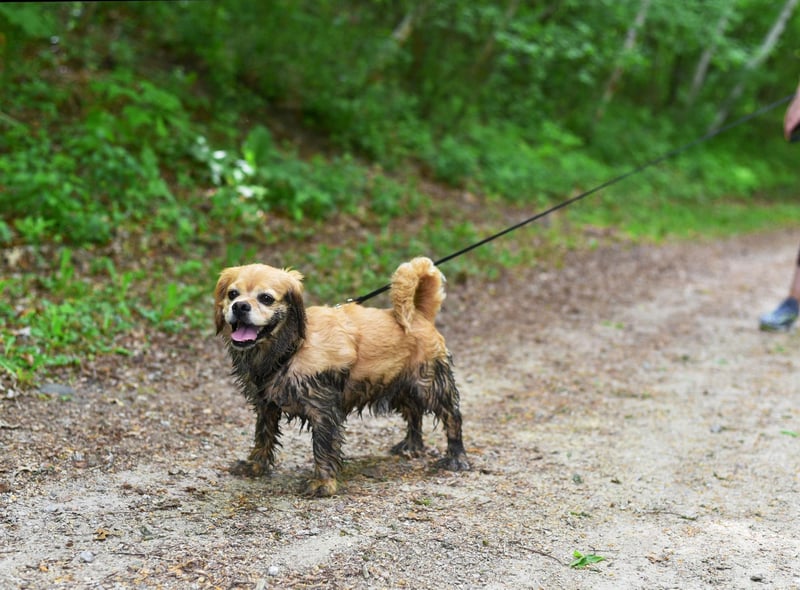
(240, 308)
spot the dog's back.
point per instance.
(378, 343)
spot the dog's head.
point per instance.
(257, 301)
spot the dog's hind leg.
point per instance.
(262, 457)
(411, 410)
(442, 399)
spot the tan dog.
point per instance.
(321, 363)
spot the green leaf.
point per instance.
(257, 147)
(581, 561)
(33, 21)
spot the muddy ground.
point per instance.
(623, 405)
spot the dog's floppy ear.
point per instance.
(294, 299)
(226, 277)
(297, 312)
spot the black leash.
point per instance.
(575, 199)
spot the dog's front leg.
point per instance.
(262, 457)
(327, 435)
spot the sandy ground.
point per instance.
(624, 405)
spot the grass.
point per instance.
(64, 306)
(121, 202)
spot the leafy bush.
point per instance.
(137, 135)
(86, 177)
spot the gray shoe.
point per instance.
(781, 318)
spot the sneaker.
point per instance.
(781, 318)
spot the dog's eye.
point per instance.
(266, 299)
(233, 294)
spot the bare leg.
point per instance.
(794, 290)
(783, 317)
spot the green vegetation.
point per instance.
(581, 561)
(146, 145)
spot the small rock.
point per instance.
(56, 389)
(87, 556)
(273, 570)
(757, 578)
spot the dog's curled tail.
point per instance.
(417, 288)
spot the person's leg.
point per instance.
(795, 289)
(782, 317)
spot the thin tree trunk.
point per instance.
(701, 71)
(755, 61)
(488, 47)
(630, 43)
(400, 35)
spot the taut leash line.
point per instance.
(670, 154)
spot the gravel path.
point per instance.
(624, 405)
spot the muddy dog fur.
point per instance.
(319, 364)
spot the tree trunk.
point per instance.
(488, 47)
(630, 43)
(401, 33)
(701, 71)
(754, 62)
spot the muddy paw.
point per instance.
(249, 469)
(454, 463)
(321, 488)
(408, 449)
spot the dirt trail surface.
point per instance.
(624, 405)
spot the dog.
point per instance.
(319, 364)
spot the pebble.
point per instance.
(87, 556)
(273, 570)
(56, 389)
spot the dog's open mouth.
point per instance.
(244, 335)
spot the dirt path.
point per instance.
(625, 406)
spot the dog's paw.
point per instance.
(454, 463)
(321, 488)
(249, 469)
(408, 449)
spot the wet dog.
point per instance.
(318, 364)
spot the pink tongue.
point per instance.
(244, 333)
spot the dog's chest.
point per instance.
(294, 393)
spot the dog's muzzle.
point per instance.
(243, 333)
